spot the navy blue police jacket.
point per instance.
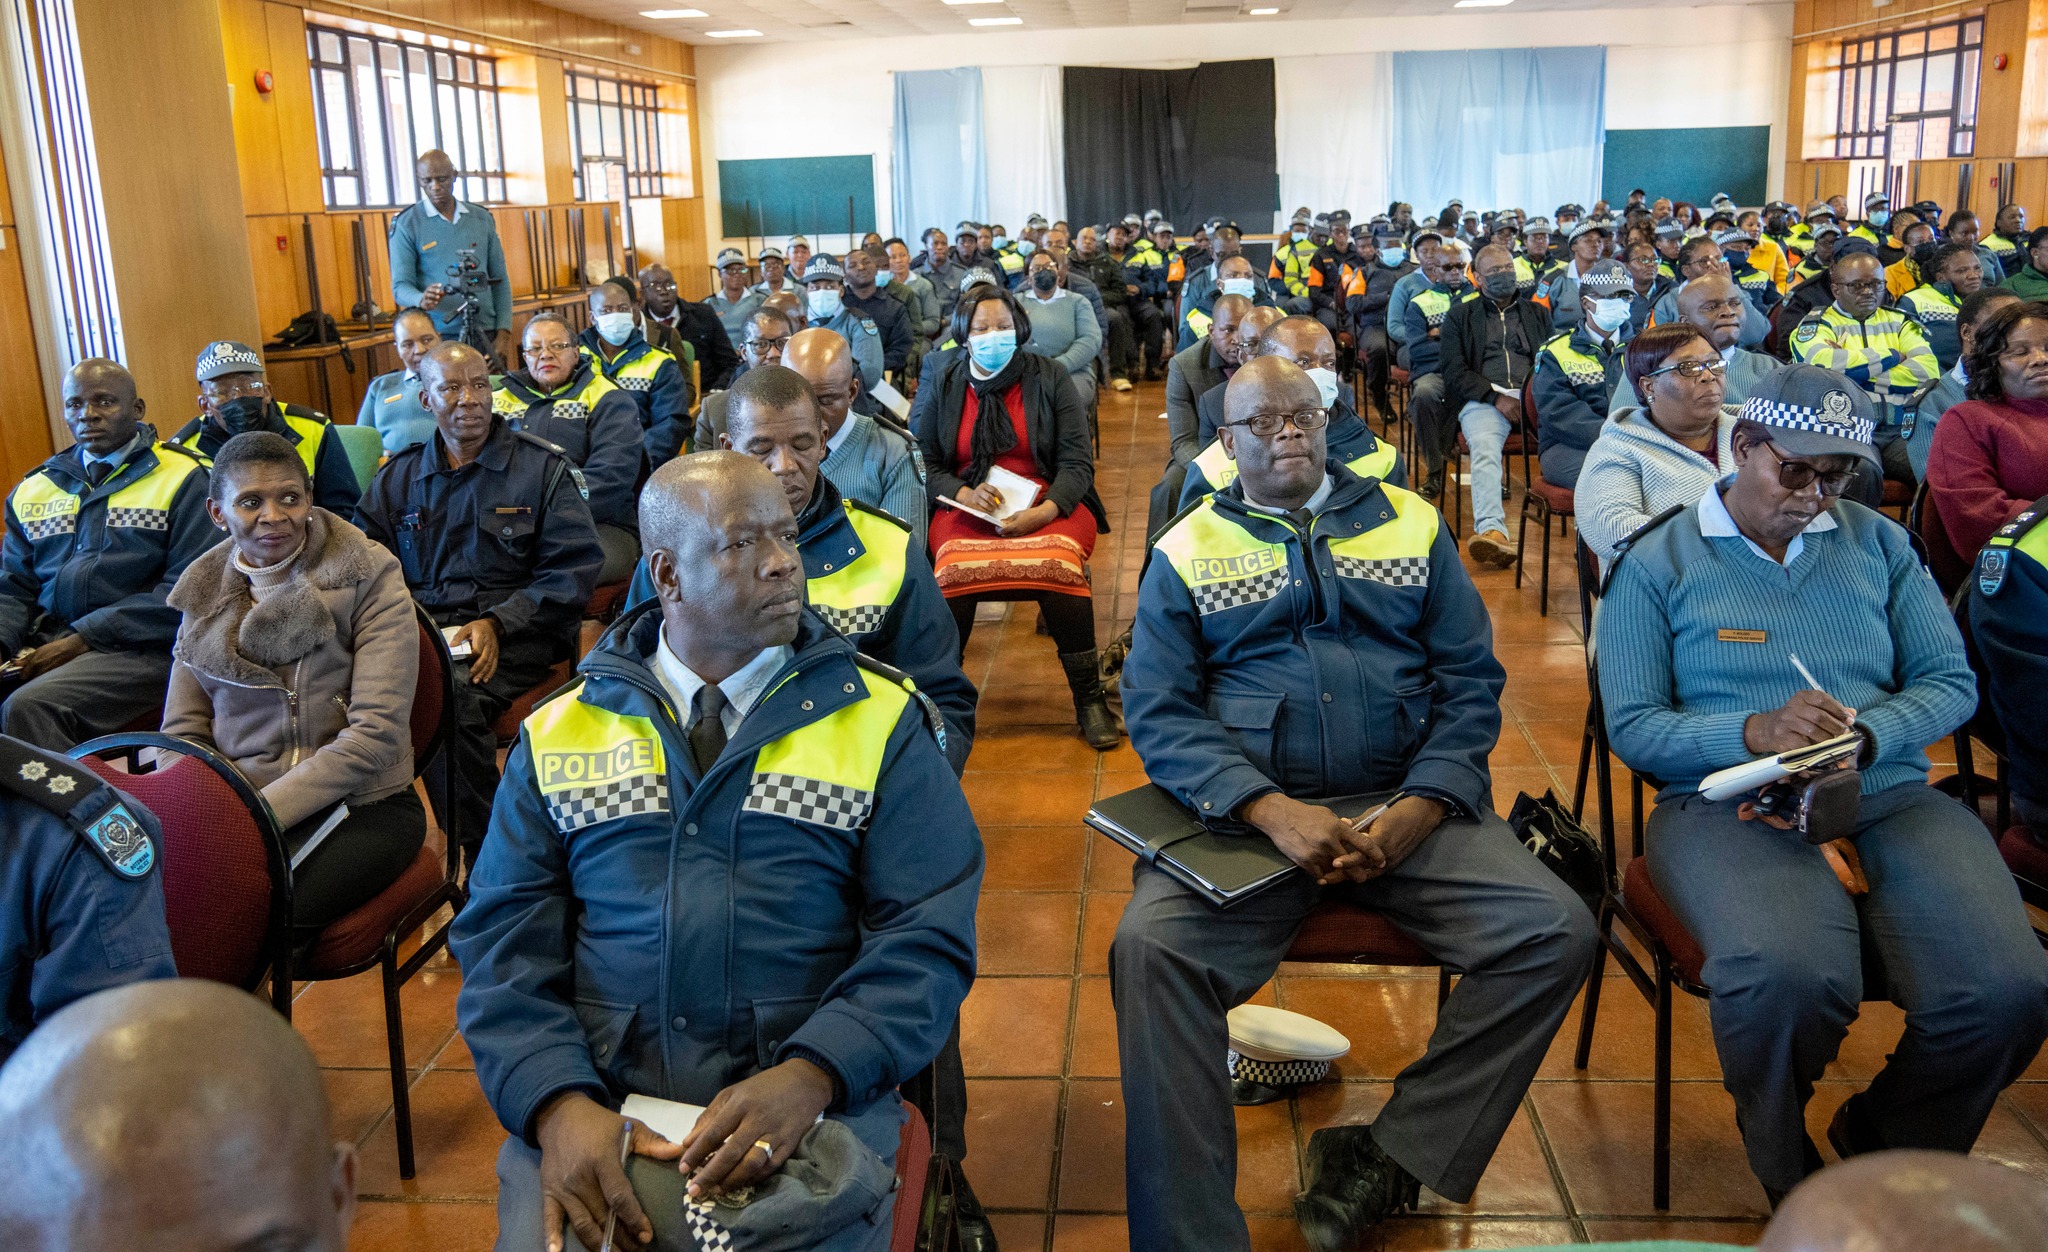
(636, 927)
(1357, 658)
(1347, 437)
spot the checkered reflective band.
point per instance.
(577, 807)
(706, 1231)
(50, 527)
(139, 519)
(572, 411)
(1238, 592)
(1394, 571)
(1935, 313)
(859, 619)
(1841, 423)
(1277, 1073)
(1585, 377)
(809, 800)
(634, 384)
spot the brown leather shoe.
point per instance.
(1491, 547)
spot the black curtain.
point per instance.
(1191, 143)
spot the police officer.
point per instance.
(862, 297)
(446, 258)
(96, 537)
(810, 934)
(562, 399)
(2009, 619)
(495, 535)
(1304, 342)
(1576, 372)
(734, 301)
(1424, 315)
(1131, 256)
(685, 329)
(1382, 262)
(652, 378)
(825, 301)
(391, 403)
(1883, 351)
(1302, 635)
(1292, 271)
(863, 575)
(234, 397)
(1736, 245)
(2008, 241)
(81, 902)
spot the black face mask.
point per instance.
(1045, 280)
(1498, 285)
(243, 413)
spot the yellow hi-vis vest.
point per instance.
(855, 596)
(46, 508)
(1221, 471)
(1225, 566)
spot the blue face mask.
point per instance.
(1236, 287)
(999, 242)
(1392, 257)
(1300, 236)
(1880, 218)
(882, 278)
(993, 349)
(1025, 247)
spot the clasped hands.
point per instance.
(1331, 849)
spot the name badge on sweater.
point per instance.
(1739, 636)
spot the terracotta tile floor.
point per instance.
(1040, 1040)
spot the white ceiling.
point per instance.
(807, 20)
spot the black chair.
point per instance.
(1540, 497)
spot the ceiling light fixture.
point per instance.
(734, 34)
(1481, 4)
(1263, 12)
(662, 15)
(959, 2)
(995, 21)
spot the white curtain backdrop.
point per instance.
(1021, 111)
(1333, 120)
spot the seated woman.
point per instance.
(1063, 327)
(1989, 459)
(1694, 637)
(988, 405)
(1664, 453)
(297, 660)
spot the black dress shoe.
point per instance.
(1850, 1132)
(1433, 486)
(1353, 1186)
(1247, 1094)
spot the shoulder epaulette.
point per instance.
(870, 509)
(1468, 297)
(80, 798)
(179, 448)
(2014, 530)
(1628, 542)
(1558, 337)
(934, 721)
(1174, 521)
(187, 431)
(541, 443)
(311, 415)
(1994, 560)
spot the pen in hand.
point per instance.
(611, 1221)
(1806, 673)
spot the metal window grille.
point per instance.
(379, 102)
(1910, 95)
(619, 119)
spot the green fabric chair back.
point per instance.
(365, 448)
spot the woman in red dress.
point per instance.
(990, 404)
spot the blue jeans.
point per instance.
(1486, 433)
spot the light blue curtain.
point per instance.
(939, 171)
(1500, 128)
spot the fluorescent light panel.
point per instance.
(995, 21)
(734, 34)
(1481, 4)
(1263, 12)
(665, 14)
(960, 2)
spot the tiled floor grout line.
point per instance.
(1564, 1192)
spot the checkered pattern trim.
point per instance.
(706, 1231)
(587, 806)
(1585, 378)
(634, 384)
(50, 527)
(1799, 417)
(571, 411)
(1238, 592)
(1935, 314)
(1397, 571)
(861, 619)
(139, 519)
(809, 800)
(1277, 1073)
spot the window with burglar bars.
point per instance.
(379, 102)
(611, 117)
(1910, 95)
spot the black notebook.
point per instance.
(1224, 868)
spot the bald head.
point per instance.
(1278, 462)
(720, 538)
(1912, 1202)
(1302, 340)
(100, 405)
(825, 360)
(177, 1116)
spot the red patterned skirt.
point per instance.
(971, 559)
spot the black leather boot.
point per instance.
(1353, 1187)
(1091, 707)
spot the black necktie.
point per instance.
(707, 726)
(96, 471)
(1303, 520)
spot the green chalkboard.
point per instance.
(796, 195)
(1690, 164)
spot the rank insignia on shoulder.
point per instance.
(582, 487)
(122, 840)
(1806, 331)
(1992, 564)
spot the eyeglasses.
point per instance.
(1868, 284)
(1267, 425)
(1798, 475)
(768, 345)
(650, 288)
(547, 349)
(1692, 371)
(233, 387)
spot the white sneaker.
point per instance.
(1120, 384)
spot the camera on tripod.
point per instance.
(466, 278)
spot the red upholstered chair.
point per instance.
(1949, 567)
(1539, 497)
(1340, 933)
(913, 1165)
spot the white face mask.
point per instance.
(824, 303)
(614, 327)
(1236, 287)
(1610, 315)
(1326, 384)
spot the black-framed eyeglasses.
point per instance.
(769, 345)
(1267, 425)
(1868, 284)
(1798, 475)
(1691, 371)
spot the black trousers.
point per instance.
(1866, 486)
(1149, 327)
(373, 845)
(1120, 346)
(1070, 619)
(1372, 357)
(465, 792)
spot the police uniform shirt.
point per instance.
(742, 688)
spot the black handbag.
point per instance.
(1566, 848)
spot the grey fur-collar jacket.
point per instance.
(310, 691)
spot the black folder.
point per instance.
(1222, 867)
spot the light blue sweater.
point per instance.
(1855, 604)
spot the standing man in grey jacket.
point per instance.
(446, 259)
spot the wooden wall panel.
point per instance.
(1999, 91)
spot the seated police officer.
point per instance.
(562, 397)
(1575, 374)
(811, 936)
(235, 397)
(391, 403)
(863, 574)
(497, 544)
(1703, 612)
(81, 902)
(2009, 621)
(654, 379)
(96, 538)
(768, 332)
(869, 458)
(1305, 342)
(1304, 634)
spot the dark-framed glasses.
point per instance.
(1692, 371)
(1799, 475)
(1267, 425)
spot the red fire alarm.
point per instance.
(283, 244)
(1998, 62)
(264, 82)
